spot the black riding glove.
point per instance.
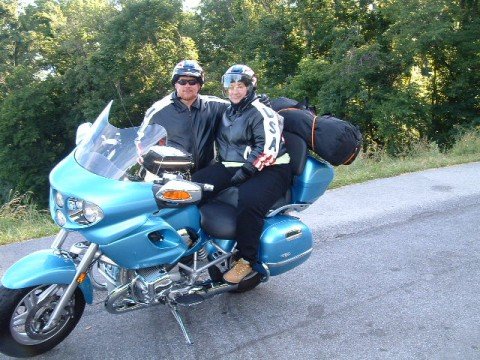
(264, 99)
(243, 174)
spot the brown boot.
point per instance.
(240, 269)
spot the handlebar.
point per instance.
(167, 177)
(206, 187)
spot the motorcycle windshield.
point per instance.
(114, 153)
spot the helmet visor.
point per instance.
(229, 79)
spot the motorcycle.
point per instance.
(147, 242)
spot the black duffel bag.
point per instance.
(334, 140)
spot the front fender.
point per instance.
(44, 267)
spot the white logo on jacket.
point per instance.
(273, 126)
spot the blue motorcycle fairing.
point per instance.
(156, 242)
(181, 217)
(44, 267)
(126, 205)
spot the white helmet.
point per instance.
(240, 73)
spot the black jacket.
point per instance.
(191, 130)
(250, 133)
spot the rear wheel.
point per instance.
(24, 314)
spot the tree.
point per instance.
(32, 136)
(256, 33)
(73, 57)
(140, 47)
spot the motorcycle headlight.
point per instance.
(84, 212)
(60, 218)
(59, 200)
(92, 212)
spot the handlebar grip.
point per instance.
(207, 187)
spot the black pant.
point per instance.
(255, 197)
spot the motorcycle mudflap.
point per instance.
(44, 267)
(285, 243)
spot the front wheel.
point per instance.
(24, 314)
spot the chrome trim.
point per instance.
(79, 249)
(286, 262)
(107, 277)
(59, 239)
(203, 293)
(82, 267)
(194, 273)
(289, 207)
(127, 304)
(194, 190)
(106, 260)
(293, 234)
(172, 163)
(267, 271)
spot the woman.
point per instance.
(253, 157)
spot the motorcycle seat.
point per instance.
(218, 217)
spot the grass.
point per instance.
(422, 156)
(20, 219)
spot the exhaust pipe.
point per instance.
(196, 296)
(117, 301)
(126, 304)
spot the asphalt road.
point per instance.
(394, 275)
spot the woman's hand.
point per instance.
(243, 174)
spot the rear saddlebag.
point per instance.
(334, 140)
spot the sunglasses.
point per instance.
(185, 82)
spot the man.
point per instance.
(189, 118)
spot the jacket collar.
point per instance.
(242, 105)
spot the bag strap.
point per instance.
(290, 108)
(313, 132)
(352, 157)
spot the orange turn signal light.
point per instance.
(176, 195)
(82, 277)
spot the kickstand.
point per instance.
(178, 317)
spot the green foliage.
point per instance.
(32, 134)
(258, 33)
(468, 143)
(20, 219)
(141, 45)
(389, 68)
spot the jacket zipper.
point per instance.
(195, 152)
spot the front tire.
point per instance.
(25, 312)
